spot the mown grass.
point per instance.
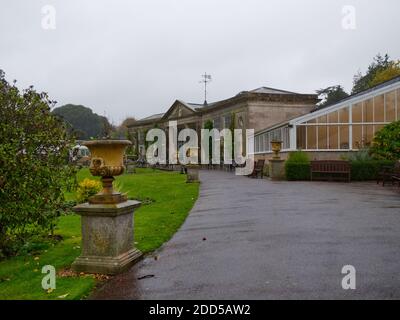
(167, 199)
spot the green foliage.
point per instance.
(83, 122)
(392, 71)
(297, 166)
(297, 171)
(298, 157)
(367, 170)
(331, 95)
(363, 154)
(33, 165)
(86, 189)
(166, 201)
(386, 143)
(363, 82)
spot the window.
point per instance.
(344, 137)
(333, 137)
(368, 134)
(398, 103)
(357, 136)
(344, 115)
(391, 106)
(301, 137)
(322, 119)
(227, 121)
(333, 117)
(322, 137)
(368, 111)
(311, 137)
(379, 109)
(357, 112)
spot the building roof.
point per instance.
(268, 90)
(317, 112)
(361, 93)
(197, 107)
(153, 117)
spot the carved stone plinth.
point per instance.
(192, 173)
(107, 238)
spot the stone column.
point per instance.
(277, 169)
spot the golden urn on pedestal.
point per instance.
(107, 162)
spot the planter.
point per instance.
(107, 219)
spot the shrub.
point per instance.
(86, 189)
(297, 166)
(367, 170)
(386, 144)
(298, 157)
(34, 146)
(297, 171)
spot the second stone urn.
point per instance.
(107, 218)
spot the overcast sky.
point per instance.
(135, 58)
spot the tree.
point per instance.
(34, 146)
(83, 122)
(386, 144)
(331, 95)
(392, 71)
(363, 82)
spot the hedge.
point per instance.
(360, 170)
(297, 171)
(367, 170)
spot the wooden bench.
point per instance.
(389, 173)
(258, 169)
(330, 168)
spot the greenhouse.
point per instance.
(345, 126)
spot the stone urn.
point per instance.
(107, 218)
(276, 164)
(107, 162)
(276, 147)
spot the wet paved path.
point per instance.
(274, 240)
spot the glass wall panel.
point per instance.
(368, 134)
(333, 117)
(322, 137)
(398, 104)
(311, 137)
(390, 106)
(301, 137)
(379, 109)
(344, 137)
(333, 137)
(377, 128)
(344, 115)
(312, 121)
(357, 112)
(368, 111)
(357, 136)
(322, 119)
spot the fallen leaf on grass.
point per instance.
(63, 296)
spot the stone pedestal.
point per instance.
(107, 238)
(192, 174)
(277, 169)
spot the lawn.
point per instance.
(167, 200)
